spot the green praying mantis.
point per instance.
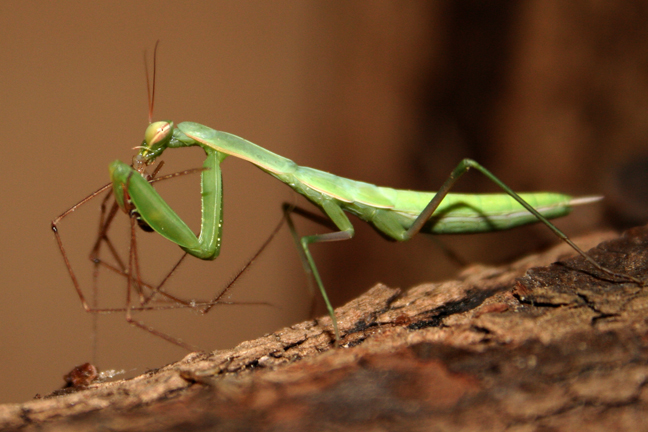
(396, 214)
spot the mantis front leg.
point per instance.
(148, 210)
(152, 208)
(139, 199)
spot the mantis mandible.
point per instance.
(396, 214)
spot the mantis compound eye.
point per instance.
(156, 138)
(157, 133)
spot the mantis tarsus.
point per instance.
(396, 214)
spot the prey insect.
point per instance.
(149, 297)
(396, 214)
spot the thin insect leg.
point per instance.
(54, 225)
(346, 232)
(133, 266)
(159, 289)
(122, 270)
(135, 308)
(152, 179)
(217, 299)
(129, 279)
(131, 269)
(134, 282)
(59, 241)
(104, 223)
(154, 290)
(129, 308)
(58, 219)
(289, 209)
(156, 170)
(307, 214)
(177, 174)
(179, 303)
(135, 263)
(461, 169)
(98, 261)
(102, 237)
(113, 252)
(133, 248)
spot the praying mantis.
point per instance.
(396, 214)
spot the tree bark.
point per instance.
(560, 347)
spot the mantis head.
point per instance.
(156, 139)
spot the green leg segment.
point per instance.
(460, 170)
(341, 221)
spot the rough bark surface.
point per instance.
(517, 348)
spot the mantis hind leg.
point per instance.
(460, 170)
(337, 219)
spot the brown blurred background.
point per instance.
(549, 95)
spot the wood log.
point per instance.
(516, 347)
